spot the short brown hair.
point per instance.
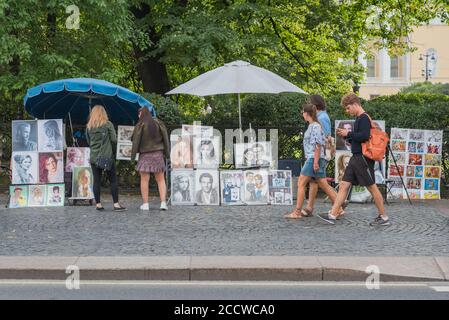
(318, 101)
(350, 98)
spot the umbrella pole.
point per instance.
(240, 119)
(71, 130)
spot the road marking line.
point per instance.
(441, 289)
(209, 283)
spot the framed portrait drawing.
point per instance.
(253, 155)
(37, 196)
(124, 150)
(82, 183)
(55, 195)
(280, 187)
(50, 135)
(25, 167)
(206, 152)
(51, 167)
(24, 135)
(183, 187)
(207, 187)
(181, 151)
(231, 187)
(256, 187)
(77, 157)
(124, 133)
(18, 196)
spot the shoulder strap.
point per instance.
(371, 121)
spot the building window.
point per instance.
(397, 67)
(372, 65)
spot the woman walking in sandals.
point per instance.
(315, 165)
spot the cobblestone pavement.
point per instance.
(418, 230)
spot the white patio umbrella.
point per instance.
(236, 77)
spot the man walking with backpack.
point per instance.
(360, 170)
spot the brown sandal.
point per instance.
(294, 215)
(306, 212)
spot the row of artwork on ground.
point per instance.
(22, 196)
(197, 147)
(231, 187)
(418, 155)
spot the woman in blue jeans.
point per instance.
(315, 165)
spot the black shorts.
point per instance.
(360, 171)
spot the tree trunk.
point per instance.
(152, 72)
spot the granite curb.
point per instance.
(226, 268)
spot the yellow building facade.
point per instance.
(386, 75)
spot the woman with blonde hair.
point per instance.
(150, 140)
(101, 137)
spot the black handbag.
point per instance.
(104, 162)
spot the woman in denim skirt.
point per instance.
(315, 165)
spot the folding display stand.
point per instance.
(400, 176)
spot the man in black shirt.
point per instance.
(360, 170)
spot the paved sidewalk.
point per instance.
(418, 230)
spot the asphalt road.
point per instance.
(48, 290)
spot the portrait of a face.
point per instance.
(55, 195)
(341, 162)
(124, 133)
(256, 187)
(206, 152)
(77, 157)
(231, 186)
(206, 187)
(25, 167)
(124, 151)
(181, 151)
(51, 168)
(18, 196)
(82, 183)
(37, 196)
(183, 187)
(341, 143)
(24, 135)
(251, 155)
(51, 137)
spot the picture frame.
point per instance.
(232, 187)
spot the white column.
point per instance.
(385, 66)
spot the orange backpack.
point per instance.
(376, 147)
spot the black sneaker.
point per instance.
(378, 221)
(325, 217)
(119, 208)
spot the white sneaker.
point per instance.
(164, 206)
(145, 206)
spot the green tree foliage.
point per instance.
(150, 45)
(427, 87)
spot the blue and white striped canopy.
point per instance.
(58, 99)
